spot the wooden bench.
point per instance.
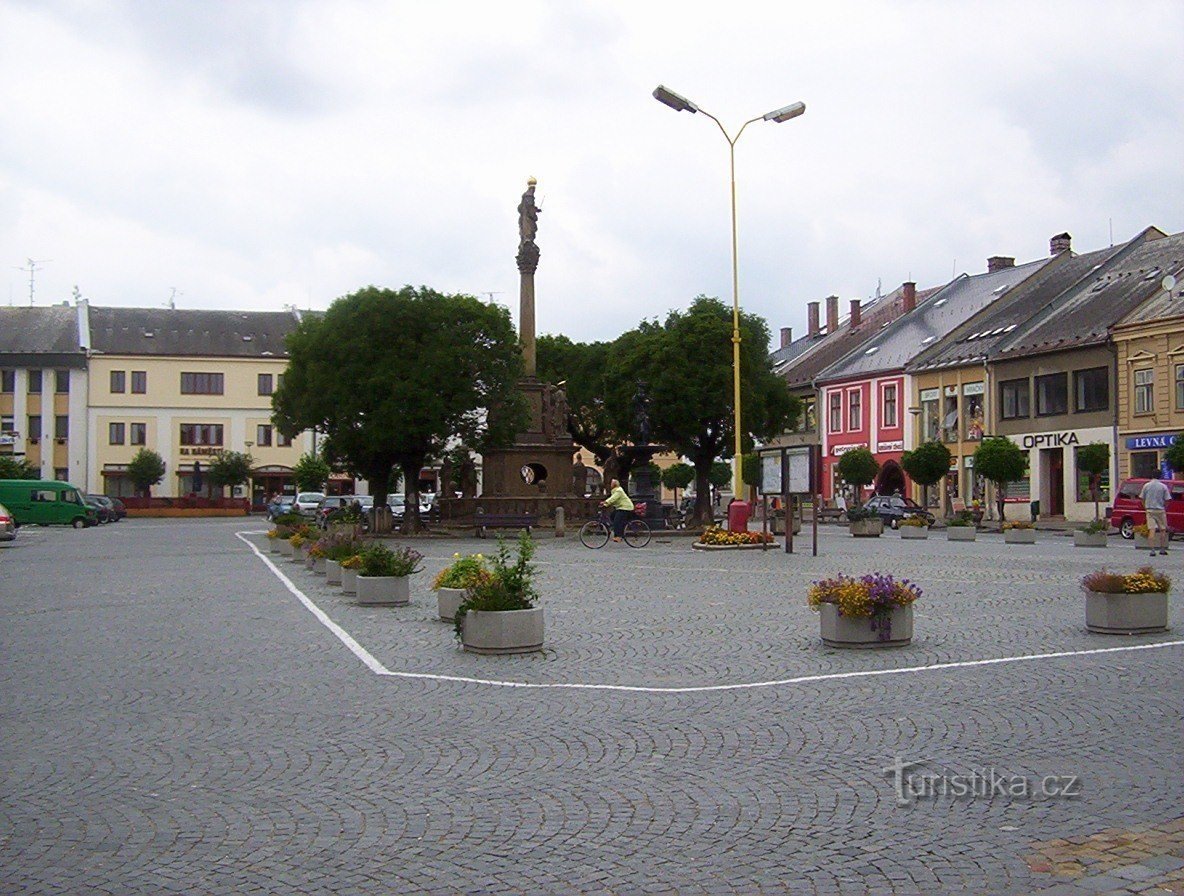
(831, 515)
(485, 521)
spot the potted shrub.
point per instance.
(384, 576)
(337, 547)
(1092, 536)
(872, 611)
(298, 540)
(960, 527)
(349, 573)
(913, 527)
(1018, 532)
(274, 539)
(455, 579)
(864, 523)
(1126, 604)
(499, 614)
(1142, 536)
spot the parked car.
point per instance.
(113, 514)
(102, 511)
(328, 505)
(1127, 510)
(280, 505)
(46, 502)
(7, 525)
(120, 509)
(894, 508)
(307, 502)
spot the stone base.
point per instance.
(1126, 614)
(841, 631)
(504, 631)
(448, 601)
(384, 590)
(1019, 536)
(961, 533)
(913, 532)
(866, 528)
(1089, 539)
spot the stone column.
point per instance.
(527, 263)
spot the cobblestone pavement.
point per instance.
(174, 720)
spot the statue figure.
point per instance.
(641, 413)
(528, 214)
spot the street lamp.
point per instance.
(668, 97)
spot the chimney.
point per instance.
(1062, 242)
(998, 263)
(832, 314)
(812, 314)
(786, 336)
(855, 318)
(910, 296)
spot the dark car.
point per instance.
(102, 511)
(328, 505)
(893, 508)
(114, 512)
(120, 509)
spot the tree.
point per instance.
(928, 464)
(145, 470)
(750, 472)
(1174, 455)
(1094, 459)
(999, 460)
(678, 476)
(231, 468)
(720, 474)
(391, 376)
(686, 364)
(17, 468)
(311, 472)
(859, 468)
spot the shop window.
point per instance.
(115, 433)
(1014, 398)
(1052, 395)
(854, 411)
(972, 411)
(930, 416)
(949, 416)
(118, 381)
(1180, 387)
(1091, 389)
(889, 419)
(1144, 464)
(1144, 391)
(139, 382)
(139, 433)
(836, 412)
(1083, 491)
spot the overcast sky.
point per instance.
(256, 154)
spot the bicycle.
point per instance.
(595, 533)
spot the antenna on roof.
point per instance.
(172, 303)
(1111, 232)
(879, 285)
(491, 294)
(32, 270)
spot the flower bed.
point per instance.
(715, 537)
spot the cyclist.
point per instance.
(621, 506)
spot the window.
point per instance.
(809, 420)
(888, 420)
(61, 474)
(61, 427)
(1083, 489)
(139, 434)
(61, 382)
(118, 381)
(854, 411)
(201, 384)
(115, 433)
(35, 426)
(34, 382)
(279, 381)
(1052, 394)
(930, 417)
(201, 434)
(7, 424)
(1144, 391)
(263, 435)
(7, 381)
(1091, 389)
(1014, 398)
(1180, 387)
(282, 441)
(1143, 465)
(43, 496)
(949, 415)
(139, 382)
(972, 410)
(265, 384)
(836, 412)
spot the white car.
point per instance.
(7, 525)
(307, 502)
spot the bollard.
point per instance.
(559, 533)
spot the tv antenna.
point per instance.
(173, 298)
(491, 294)
(31, 270)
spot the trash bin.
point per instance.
(1035, 510)
(738, 515)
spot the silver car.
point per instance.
(307, 502)
(7, 525)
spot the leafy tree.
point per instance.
(678, 476)
(17, 468)
(145, 470)
(750, 471)
(1000, 460)
(391, 376)
(1174, 455)
(927, 465)
(311, 472)
(858, 467)
(720, 474)
(686, 363)
(1094, 459)
(231, 468)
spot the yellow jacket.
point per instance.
(618, 500)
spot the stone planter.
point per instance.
(384, 590)
(914, 532)
(1126, 614)
(310, 561)
(349, 580)
(779, 523)
(273, 545)
(866, 528)
(285, 547)
(1082, 539)
(1019, 536)
(318, 566)
(503, 631)
(842, 631)
(332, 572)
(1142, 542)
(961, 533)
(297, 553)
(448, 601)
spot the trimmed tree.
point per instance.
(858, 467)
(1094, 459)
(17, 468)
(231, 468)
(311, 472)
(1000, 461)
(1174, 455)
(750, 472)
(927, 465)
(145, 470)
(678, 476)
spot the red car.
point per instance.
(1127, 511)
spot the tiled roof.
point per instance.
(49, 333)
(907, 337)
(169, 332)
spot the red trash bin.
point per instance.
(738, 515)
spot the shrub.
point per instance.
(354, 561)
(463, 572)
(917, 521)
(1018, 524)
(339, 547)
(1096, 527)
(1143, 531)
(958, 520)
(859, 513)
(378, 560)
(1144, 581)
(508, 586)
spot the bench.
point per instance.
(831, 514)
(485, 521)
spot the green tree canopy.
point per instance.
(927, 465)
(145, 470)
(1094, 459)
(1000, 460)
(678, 475)
(390, 376)
(1174, 454)
(858, 467)
(231, 468)
(311, 472)
(17, 468)
(719, 474)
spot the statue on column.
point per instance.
(641, 413)
(528, 228)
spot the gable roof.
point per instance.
(35, 336)
(190, 332)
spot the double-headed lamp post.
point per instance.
(681, 104)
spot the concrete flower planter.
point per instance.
(1083, 539)
(285, 547)
(1142, 542)
(918, 533)
(448, 601)
(318, 566)
(349, 580)
(1019, 536)
(866, 528)
(961, 533)
(843, 631)
(310, 561)
(1126, 614)
(384, 590)
(273, 545)
(503, 631)
(332, 572)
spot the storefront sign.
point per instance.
(1164, 441)
(929, 394)
(898, 445)
(972, 389)
(201, 452)
(1051, 440)
(839, 450)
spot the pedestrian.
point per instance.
(1154, 496)
(621, 506)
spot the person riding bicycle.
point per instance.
(621, 506)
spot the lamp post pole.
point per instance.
(681, 104)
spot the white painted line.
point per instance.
(378, 669)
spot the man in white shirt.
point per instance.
(1154, 496)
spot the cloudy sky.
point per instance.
(257, 154)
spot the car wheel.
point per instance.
(1127, 529)
(79, 523)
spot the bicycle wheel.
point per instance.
(594, 534)
(637, 534)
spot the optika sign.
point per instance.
(1051, 440)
